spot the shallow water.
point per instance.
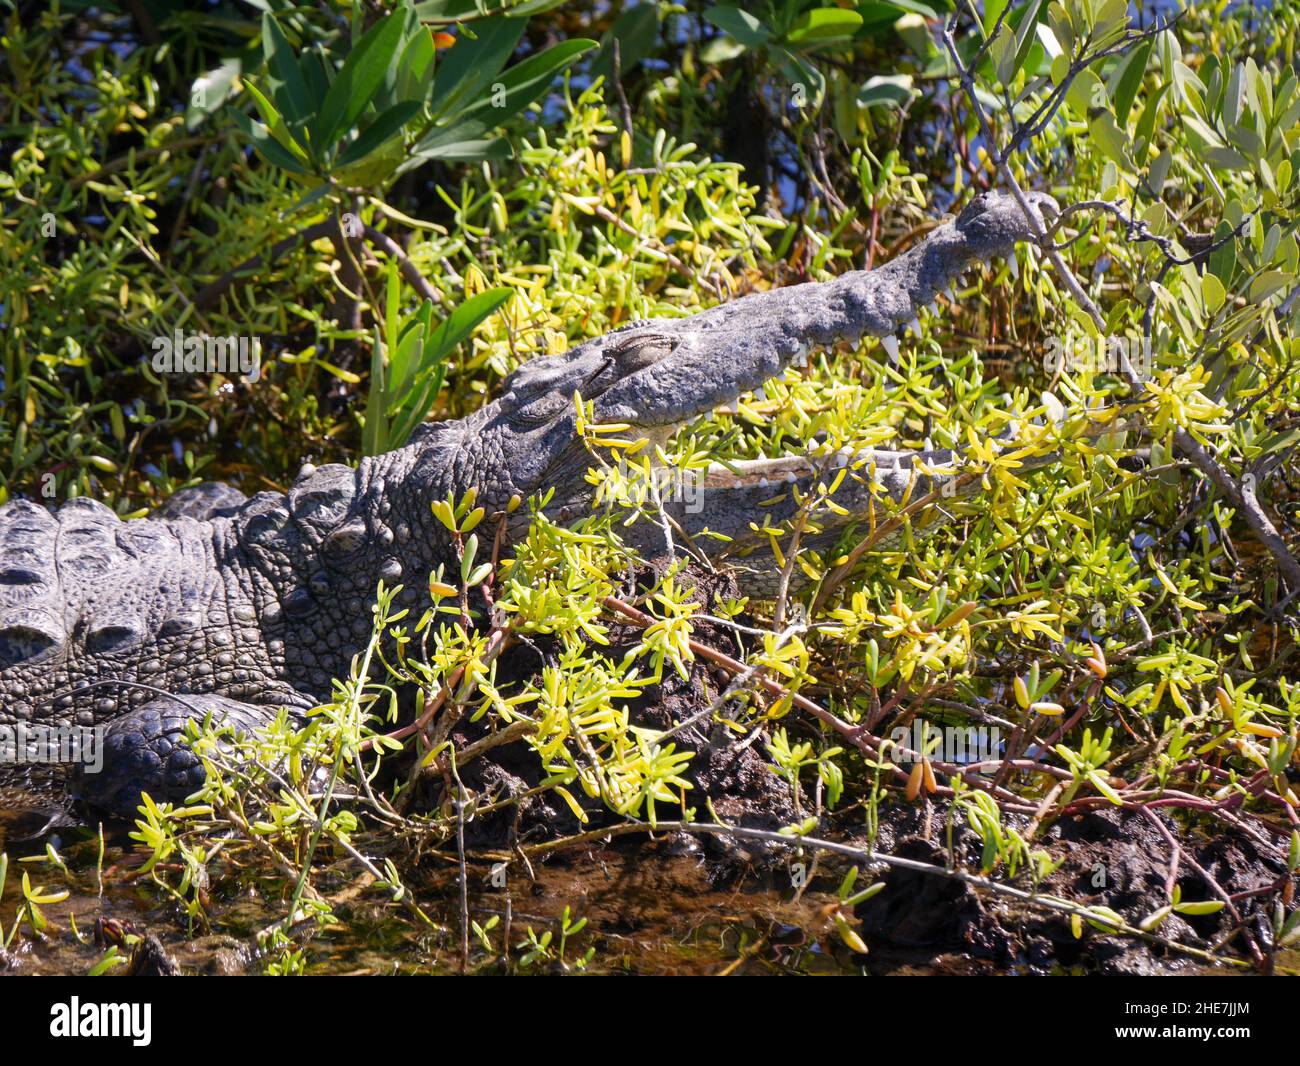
(650, 910)
(647, 914)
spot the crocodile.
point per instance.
(229, 609)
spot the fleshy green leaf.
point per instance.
(473, 63)
(892, 90)
(519, 87)
(358, 80)
(384, 127)
(266, 144)
(743, 26)
(1129, 82)
(210, 90)
(288, 86)
(824, 23)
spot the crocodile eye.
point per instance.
(531, 391)
(640, 350)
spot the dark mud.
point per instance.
(731, 772)
(654, 906)
(1116, 859)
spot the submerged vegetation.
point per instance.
(1066, 690)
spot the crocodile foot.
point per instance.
(145, 750)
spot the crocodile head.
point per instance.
(652, 377)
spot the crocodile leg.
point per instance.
(145, 750)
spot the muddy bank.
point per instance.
(1112, 858)
(729, 771)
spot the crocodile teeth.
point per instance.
(890, 344)
(914, 327)
(1013, 264)
(947, 291)
(932, 307)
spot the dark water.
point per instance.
(648, 912)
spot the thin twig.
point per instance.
(410, 272)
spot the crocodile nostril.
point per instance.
(180, 624)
